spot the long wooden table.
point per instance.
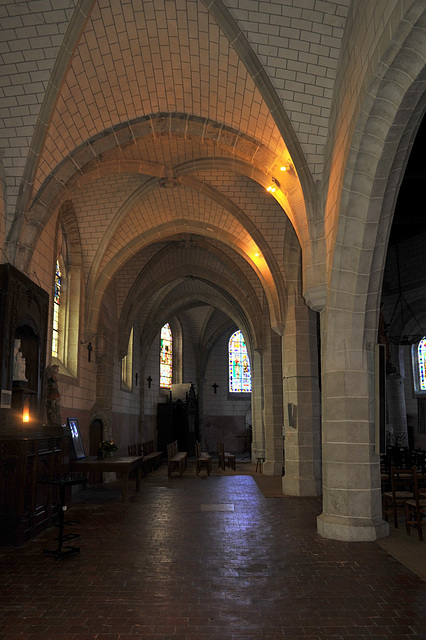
(123, 466)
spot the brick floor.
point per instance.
(205, 559)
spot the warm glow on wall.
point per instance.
(285, 167)
(274, 186)
(26, 410)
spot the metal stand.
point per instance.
(63, 551)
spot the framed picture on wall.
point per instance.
(76, 438)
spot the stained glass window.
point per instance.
(127, 364)
(239, 364)
(166, 356)
(56, 303)
(421, 355)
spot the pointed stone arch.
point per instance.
(385, 130)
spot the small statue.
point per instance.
(19, 363)
(53, 397)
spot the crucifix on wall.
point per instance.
(149, 379)
(215, 386)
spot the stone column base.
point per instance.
(271, 468)
(299, 486)
(351, 529)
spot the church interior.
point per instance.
(211, 231)
(181, 178)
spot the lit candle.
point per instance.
(26, 410)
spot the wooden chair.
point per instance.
(385, 472)
(202, 459)
(415, 509)
(419, 460)
(176, 460)
(401, 490)
(225, 458)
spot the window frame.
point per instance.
(418, 391)
(170, 376)
(238, 394)
(127, 365)
(67, 358)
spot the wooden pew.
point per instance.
(152, 457)
(176, 460)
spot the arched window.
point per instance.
(419, 360)
(66, 295)
(57, 290)
(127, 365)
(239, 364)
(166, 357)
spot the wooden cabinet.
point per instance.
(24, 308)
(29, 452)
(27, 506)
(178, 420)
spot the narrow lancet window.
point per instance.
(239, 365)
(56, 307)
(166, 357)
(421, 359)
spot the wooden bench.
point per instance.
(176, 460)
(202, 459)
(151, 458)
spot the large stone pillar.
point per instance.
(258, 427)
(301, 402)
(102, 408)
(352, 506)
(273, 405)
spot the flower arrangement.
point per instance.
(106, 448)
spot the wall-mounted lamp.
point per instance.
(286, 167)
(273, 187)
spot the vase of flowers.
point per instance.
(106, 448)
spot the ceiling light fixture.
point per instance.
(285, 167)
(273, 187)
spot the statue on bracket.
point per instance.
(19, 363)
(53, 397)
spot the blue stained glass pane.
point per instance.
(239, 365)
(422, 364)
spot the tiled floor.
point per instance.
(196, 558)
